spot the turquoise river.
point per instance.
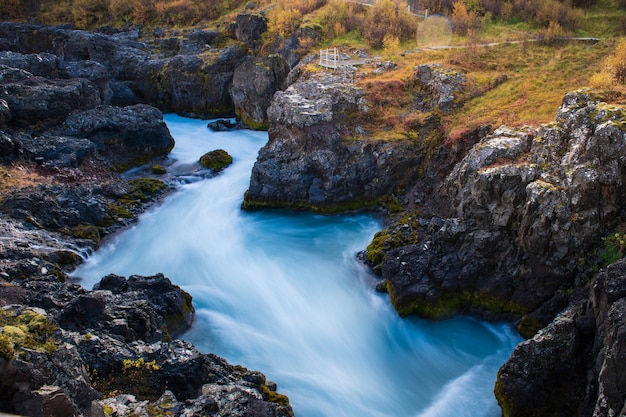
(282, 292)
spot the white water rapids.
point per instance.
(281, 292)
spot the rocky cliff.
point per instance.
(309, 163)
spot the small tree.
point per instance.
(391, 45)
(616, 63)
(613, 71)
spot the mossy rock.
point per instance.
(216, 160)
(87, 231)
(6, 348)
(158, 169)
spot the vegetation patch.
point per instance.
(403, 232)
(28, 329)
(131, 376)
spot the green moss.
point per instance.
(273, 396)
(6, 347)
(158, 169)
(66, 257)
(528, 326)
(505, 403)
(29, 329)
(251, 123)
(86, 231)
(448, 303)
(144, 188)
(216, 160)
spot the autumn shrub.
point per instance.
(176, 11)
(387, 18)
(12, 9)
(142, 11)
(464, 18)
(87, 13)
(341, 17)
(121, 9)
(284, 20)
(438, 6)
(616, 63)
(545, 11)
(209, 9)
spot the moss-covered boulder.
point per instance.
(216, 160)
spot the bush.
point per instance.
(464, 19)
(386, 18)
(284, 21)
(616, 63)
(176, 11)
(341, 17)
(88, 13)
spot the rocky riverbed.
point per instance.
(518, 224)
(76, 109)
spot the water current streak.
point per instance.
(281, 292)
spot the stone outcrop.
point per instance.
(90, 354)
(124, 135)
(254, 83)
(248, 28)
(539, 200)
(575, 365)
(122, 69)
(307, 163)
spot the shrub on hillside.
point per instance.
(176, 11)
(88, 13)
(341, 17)
(386, 18)
(464, 18)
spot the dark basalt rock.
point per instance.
(5, 113)
(254, 83)
(307, 163)
(575, 365)
(128, 72)
(42, 102)
(222, 126)
(248, 29)
(124, 135)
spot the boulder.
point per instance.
(38, 101)
(128, 136)
(254, 83)
(42, 64)
(216, 160)
(248, 28)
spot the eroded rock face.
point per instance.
(254, 83)
(574, 366)
(308, 164)
(124, 70)
(525, 208)
(122, 134)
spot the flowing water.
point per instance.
(281, 292)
